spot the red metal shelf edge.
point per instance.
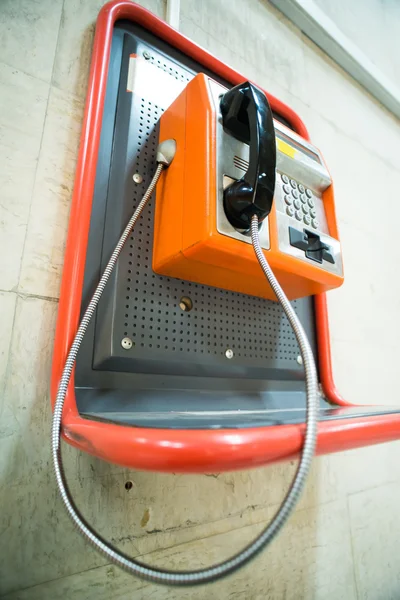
(179, 450)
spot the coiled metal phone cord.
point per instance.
(222, 569)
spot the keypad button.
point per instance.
(285, 178)
(295, 193)
(315, 223)
(301, 188)
(286, 189)
(311, 203)
(309, 193)
(299, 215)
(288, 199)
(307, 219)
(293, 183)
(290, 211)
(305, 208)
(303, 198)
(297, 204)
(313, 213)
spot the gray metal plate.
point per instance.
(144, 306)
(173, 350)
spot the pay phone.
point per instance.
(234, 160)
(243, 204)
(243, 215)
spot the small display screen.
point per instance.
(297, 146)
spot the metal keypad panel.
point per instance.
(300, 207)
(299, 201)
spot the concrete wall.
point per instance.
(343, 540)
(374, 26)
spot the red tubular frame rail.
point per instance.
(174, 450)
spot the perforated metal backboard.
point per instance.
(172, 349)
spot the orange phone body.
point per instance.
(190, 242)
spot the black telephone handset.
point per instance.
(247, 115)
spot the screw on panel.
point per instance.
(146, 55)
(299, 360)
(126, 343)
(137, 178)
(229, 353)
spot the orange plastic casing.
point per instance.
(187, 244)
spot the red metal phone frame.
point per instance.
(174, 450)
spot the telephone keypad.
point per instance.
(299, 202)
